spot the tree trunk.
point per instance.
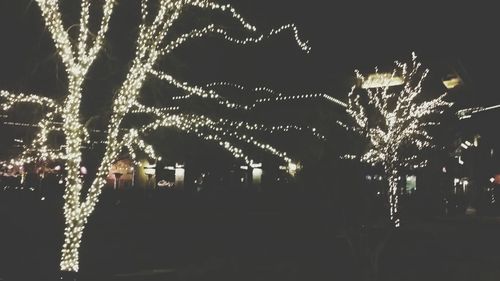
(70, 252)
(72, 207)
(393, 180)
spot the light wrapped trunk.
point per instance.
(393, 181)
(70, 258)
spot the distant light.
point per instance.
(164, 183)
(179, 175)
(83, 170)
(464, 145)
(256, 176)
(149, 171)
(492, 179)
(256, 165)
(378, 80)
(57, 168)
(452, 82)
(43, 198)
(460, 161)
(468, 143)
(444, 169)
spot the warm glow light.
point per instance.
(452, 82)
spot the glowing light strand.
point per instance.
(218, 131)
(12, 99)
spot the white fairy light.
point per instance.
(78, 55)
(210, 94)
(401, 123)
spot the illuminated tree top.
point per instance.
(393, 117)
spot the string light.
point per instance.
(280, 98)
(79, 54)
(401, 124)
(11, 99)
(304, 96)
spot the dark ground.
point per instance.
(234, 236)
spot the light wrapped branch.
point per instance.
(87, 58)
(12, 99)
(209, 129)
(38, 149)
(191, 90)
(228, 8)
(212, 29)
(277, 128)
(53, 20)
(139, 108)
(265, 90)
(198, 91)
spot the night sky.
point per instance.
(344, 36)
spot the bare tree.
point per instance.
(395, 123)
(79, 54)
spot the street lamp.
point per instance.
(256, 174)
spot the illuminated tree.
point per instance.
(153, 43)
(395, 122)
